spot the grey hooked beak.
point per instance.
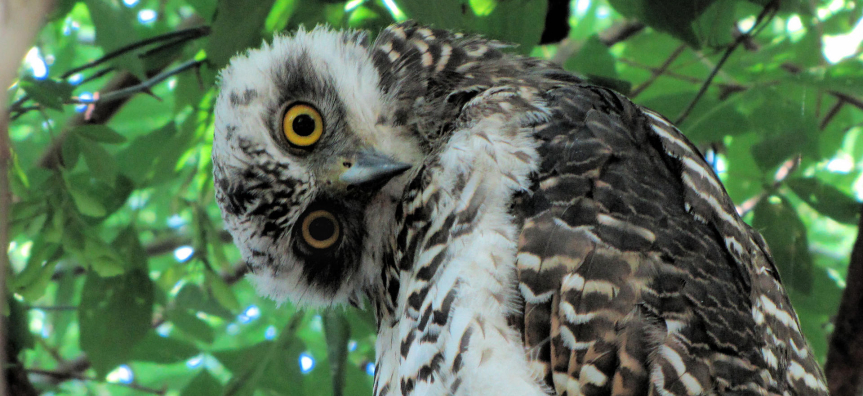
(369, 168)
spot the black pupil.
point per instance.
(322, 228)
(304, 125)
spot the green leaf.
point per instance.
(189, 92)
(191, 325)
(74, 235)
(712, 120)
(785, 234)
(102, 164)
(267, 365)
(713, 26)
(205, 8)
(204, 384)
(281, 12)
(194, 299)
(71, 150)
(48, 93)
(842, 22)
(151, 159)
(799, 6)
(99, 133)
(32, 282)
(237, 26)
(845, 77)
(525, 30)
(826, 199)
(116, 313)
(671, 16)
(222, 292)
(594, 58)
(337, 331)
(788, 130)
(115, 196)
(65, 294)
(112, 23)
(774, 150)
(157, 349)
(447, 14)
(87, 204)
(144, 152)
(101, 257)
(493, 18)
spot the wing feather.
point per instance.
(637, 275)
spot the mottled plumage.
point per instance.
(550, 236)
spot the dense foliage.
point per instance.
(122, 281)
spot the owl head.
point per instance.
(307, 162)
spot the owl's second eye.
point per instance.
(302, 125)
(320, 229)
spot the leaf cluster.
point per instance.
(119, 258)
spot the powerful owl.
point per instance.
(517, 230)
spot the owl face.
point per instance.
(304, 161)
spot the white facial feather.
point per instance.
(249, 91)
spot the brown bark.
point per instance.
(844, 366)
(102, 112)
(20, 20)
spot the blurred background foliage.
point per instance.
(123, 282)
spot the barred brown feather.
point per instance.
(649, 274)
(635, 272)
(552, 237)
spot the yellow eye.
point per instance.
(320, 229)
(302, 125)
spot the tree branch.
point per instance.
(785, 170)
(831, 113)
(655, 73)
(180, 36)
(63, 376)
(611, 36)
(856, 102)
(20, 20)
(769, 9)
(51, 158)
(146, 84)
(844, 368)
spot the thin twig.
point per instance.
(856, 102)
(53, 307)
(731, 88)
(185, 34)
(162, 47)
(768, 9)
(831, 114)
(82, 377)
(98, 74)
(55, 354)
(658, 71)
(125, 92)
(144, 85)
(177, 37)
(614, 34)
(785, 170)
(683, 77)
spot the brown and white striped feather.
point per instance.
(652, 283)
(560, 239)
